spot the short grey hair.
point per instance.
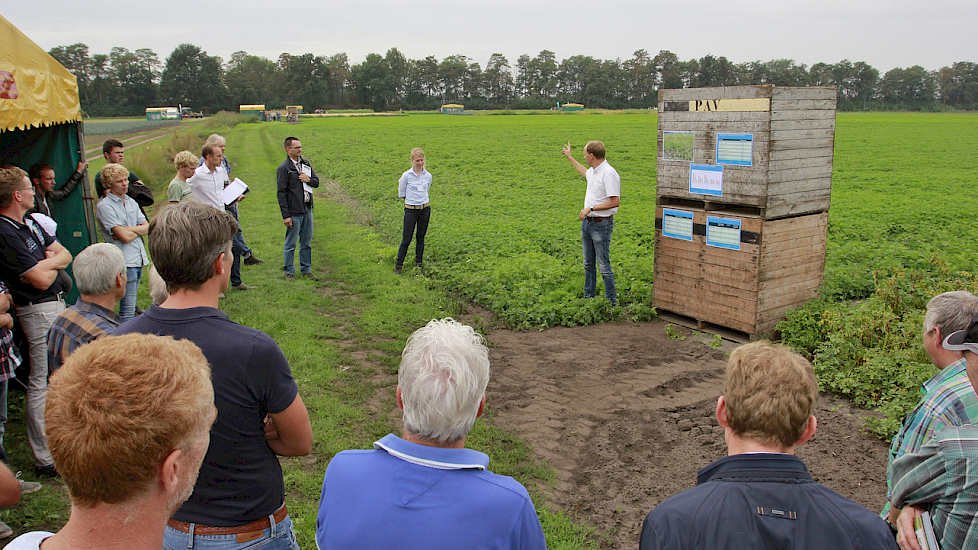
(96, 268)
(950, 312)
(185, 239)
(443, 377)
(215, 139)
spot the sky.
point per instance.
(884, 33)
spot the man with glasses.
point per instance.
(29, 263)
(296, 179)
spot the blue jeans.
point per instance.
(239, 236)
(413, 218)
(127, 305)
(277, 537)
(301, 232)
(596, 236)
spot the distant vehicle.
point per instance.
(187, 113)
(162, 113)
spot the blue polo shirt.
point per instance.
(409, 496)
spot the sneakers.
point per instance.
(28, 487)
(252, 260)
(310, 276)
(243, 286)
(290, 276)
(5, 530)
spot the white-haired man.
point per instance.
(425, 489)
(100, 275)
(948, 397)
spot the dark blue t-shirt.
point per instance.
(21, 247)
(241, 479)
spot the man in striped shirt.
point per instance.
(100, 274)
(948, 397)
(942, 478)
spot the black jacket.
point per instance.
(762, 501)
(290, 196)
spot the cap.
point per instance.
(966, 339)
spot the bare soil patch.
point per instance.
(625, 415)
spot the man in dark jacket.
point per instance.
(761, 495)
(296, 180)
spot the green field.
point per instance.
(504, 201)
(504, 234)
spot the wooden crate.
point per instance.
(793, 133)
(779, 265)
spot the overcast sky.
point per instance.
(884, 33)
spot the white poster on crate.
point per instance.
(706, 179)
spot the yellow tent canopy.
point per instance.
(35, 90)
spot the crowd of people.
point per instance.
(166, 425)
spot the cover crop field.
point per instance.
(504, 230)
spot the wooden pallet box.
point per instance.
(747, 286)
(787, 170)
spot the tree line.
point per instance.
(125, 83)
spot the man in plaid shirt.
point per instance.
(948, 397)
(100, 275)
(942, 478)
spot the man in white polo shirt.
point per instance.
(597, 217)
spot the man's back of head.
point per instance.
(760, 495)
(770, 394)
(442, 380)
(427, 491)
(947, 313)
(96, 269)
(185, 239)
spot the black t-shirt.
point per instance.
(22, 245)
(241, 479)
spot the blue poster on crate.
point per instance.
(735, 149)
(677, 224)
(723, 232)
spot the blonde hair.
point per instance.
(418, 152)
(11, 179)
(184, 158)
(111, 172)
(770, 393)
(118, 407)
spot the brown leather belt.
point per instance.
(417, 206)
(257, 525)
(599, 218)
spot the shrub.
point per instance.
(871, 350)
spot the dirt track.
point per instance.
(625, 415)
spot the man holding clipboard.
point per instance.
(296, 180)
(207, 185)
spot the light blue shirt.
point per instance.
(415, 497)
(114, 211)
(414, 188)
